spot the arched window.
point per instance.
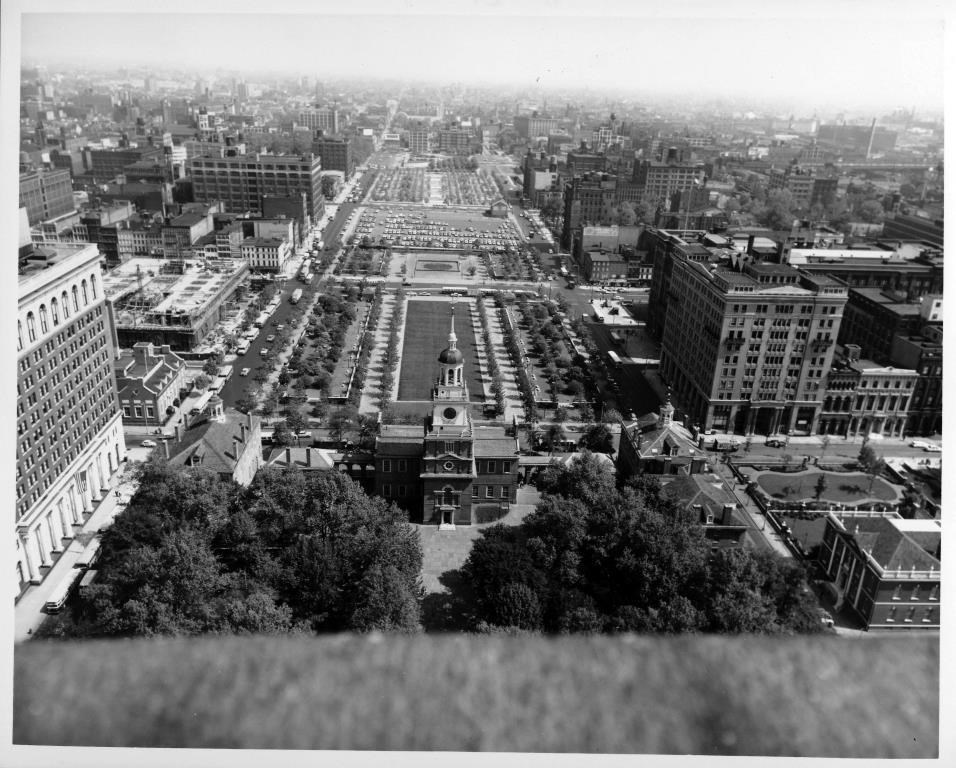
(19, 335)
(86, 297)
(55, 311)
(31, 327)
(65, 300)
(93, 285)
(76, 300)
(44, 322)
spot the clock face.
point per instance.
(449, 466)
(449, 414)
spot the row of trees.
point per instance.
(497, 383)
(595, 558)
(390, 362)
(365, 349)
(293, 552)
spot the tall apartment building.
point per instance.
(335, 154)
(456, 140)
(805, 186)
(320, 118)
(659, 180)
(748, 351)
(532, 126)
(241, 182)
(588, 200)
(46, 194)
(69, 434)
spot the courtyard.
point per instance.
(841, 487)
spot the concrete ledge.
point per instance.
(779, 696)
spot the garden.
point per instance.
(818, 485)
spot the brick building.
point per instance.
(46, 194)
(885, 569)
(149, 380)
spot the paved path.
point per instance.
(514, 404)
(29, 613)
(372, 389)
(447, 550)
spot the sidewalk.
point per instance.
(29, 613)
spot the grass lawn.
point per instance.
(841, 487)
(807, 532)
(426, 334)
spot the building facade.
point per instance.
(320, 118)
(243, 181)
(886, 569)
(265, 254)
(658, 181)
(335, 154)
(69, 433)
(149, 382)
(748, 350)
(46, 194)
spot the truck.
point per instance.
(296, 295)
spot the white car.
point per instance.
(930, 448)
(148, 443)
(244, 372)
(918, 444)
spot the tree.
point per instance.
(295, 420)
(824, 444)
(871, 211)
(598, 438)
(282, 435)
(553, 435)
(820, 488)
(210, 367)
(342, 421)
(201, 382)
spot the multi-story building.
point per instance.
(874, 317)
(69, 434)
(138, 238)
(181, 233)
(663, 247)
(603, 267)
(747, 349)
(107, 164)
(241, 182)
(886, 569)
(532, 126)
(149, 382)
(320, 118)
(418, 141)
(873, 267)
(265, 254)
(588, 200)
(881, 400)
(924, 354)
(456, 140)
(906, 227)
(46, 194)
(805, 186)
(103, 225)
(335, 154)
(660, 180)
(580, 162)
(449, 471)
(541, 178)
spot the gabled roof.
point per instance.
(707, 490)
(209, 444)
(892, 548)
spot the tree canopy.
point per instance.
(594, 558)
(293, 552)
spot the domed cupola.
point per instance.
(451, 361)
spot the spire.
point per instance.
(452, 338)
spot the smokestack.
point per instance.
(869, 146)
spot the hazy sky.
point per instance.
(813, 53)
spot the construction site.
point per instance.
(170, 302)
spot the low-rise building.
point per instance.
(265, 254)
(603, 266)
(149, 382)
(220, 439)
(885, 569)
(656, 444)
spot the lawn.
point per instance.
(426, 335)
(841, 487)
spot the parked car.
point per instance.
(270, 338)
(148, 443)
(775, 442)
(930, 448)
(918, 444)
(244, 372)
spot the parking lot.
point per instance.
(417, 227)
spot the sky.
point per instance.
(852, 53)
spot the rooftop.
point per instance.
(892, 545)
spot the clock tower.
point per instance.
(449, 463)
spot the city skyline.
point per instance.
(614, 48)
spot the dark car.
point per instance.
(774, 442)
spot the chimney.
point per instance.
(750, 245)
(166, 448)
(242, 431)
(728, 516)
(141, 352)
(308, 456)
(249, 420)
(235, 448)
(179, 435)
(288, 456)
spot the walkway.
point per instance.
(29, 613)
(447, 550)
(514, 407)
(372, 390)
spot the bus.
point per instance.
(453, 290)
(617, 338)
(90, 555)
(202, 402)
(62, 591)
(243, 347)
(296, 295)
(613, 357)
